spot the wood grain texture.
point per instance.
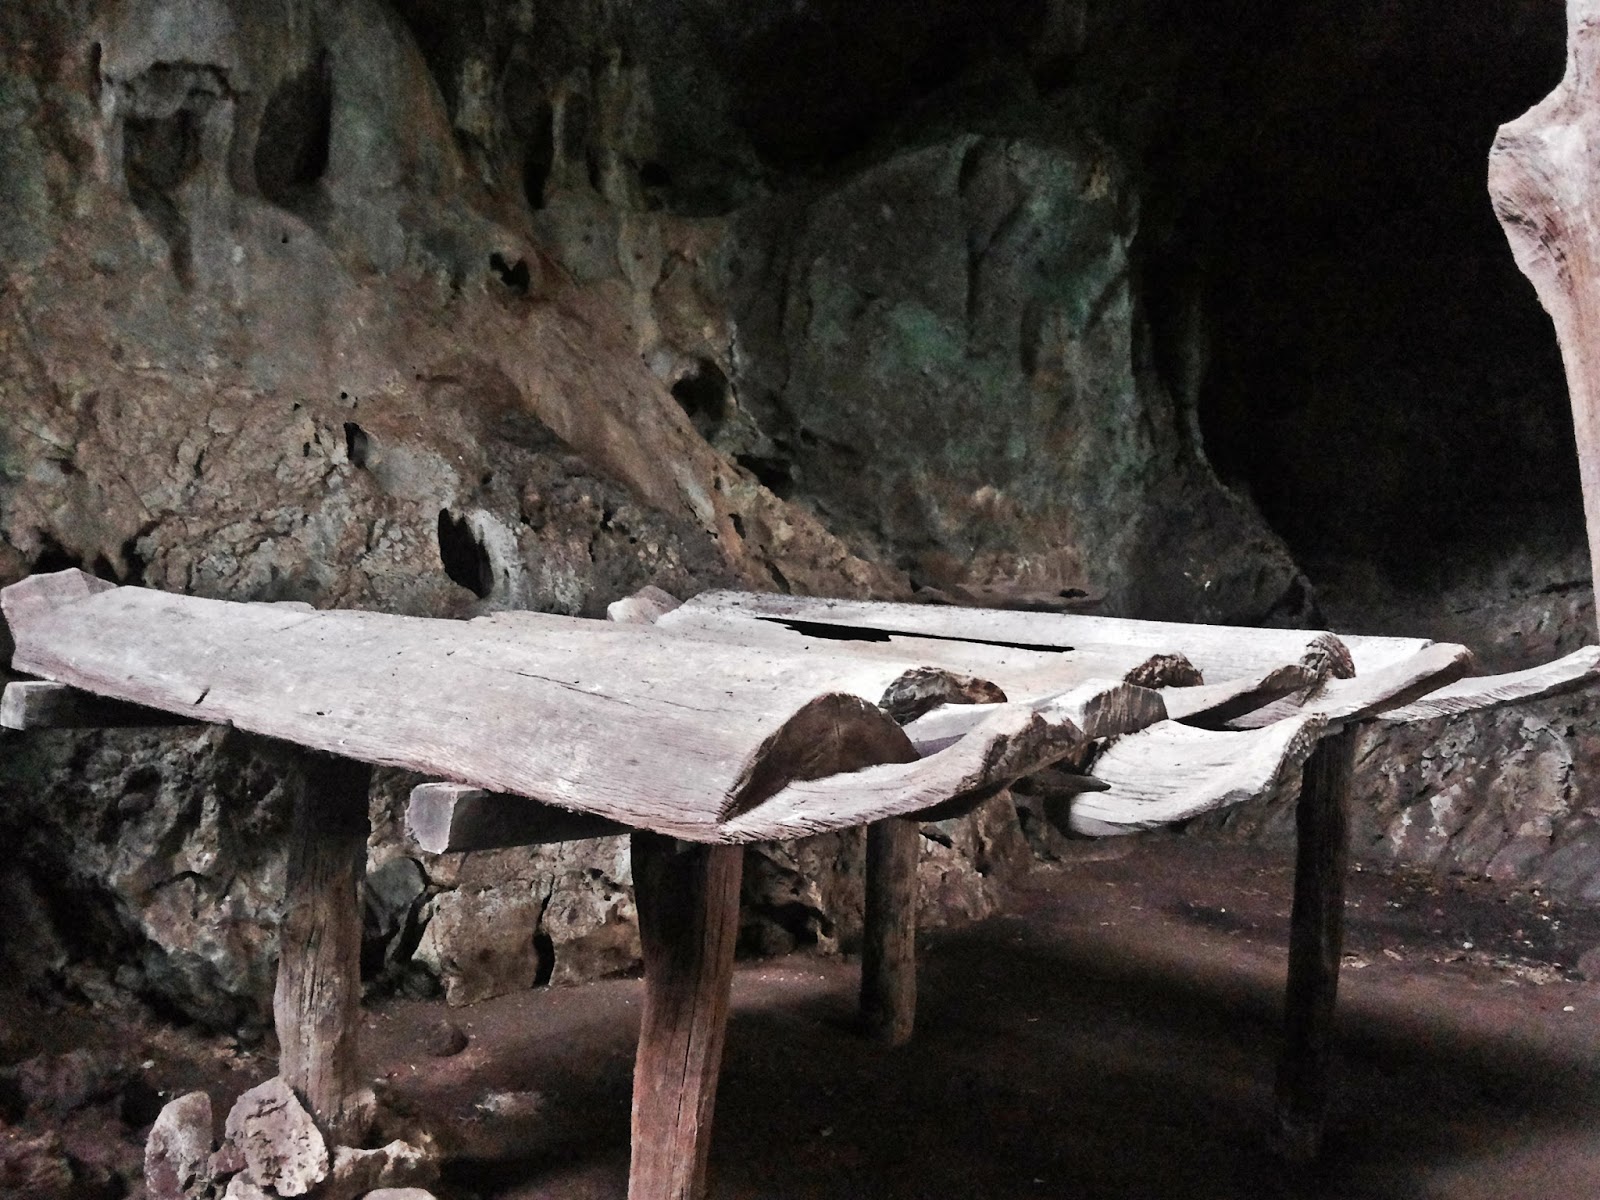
(1171, 772)
(35, 704)
(1544, 182)
(889, 935)
(1364, 696)
(443, 818)
(1316, 944)
(1577, 670)
(316, 1004)
(1220, 652)
(1098, 709)
(623, 721)
(688, 900)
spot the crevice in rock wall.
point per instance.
(464, 556)
(296, 127)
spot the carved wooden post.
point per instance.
(316, 1005)
(889, 945)
(688, 898)
(1316, 943)
(1544, 179)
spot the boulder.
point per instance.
(284, 1151)
(178, 1151)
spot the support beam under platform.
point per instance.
(688, 899)
(889, 944)
(1316, 943)
(317, 1003)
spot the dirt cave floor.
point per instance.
(1114, 1034)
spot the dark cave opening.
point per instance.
(465, 558)
(1380, 378)
(296, 135)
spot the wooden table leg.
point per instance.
(1316, 943)
(688, 898)
(889, 945)
(317, 1003)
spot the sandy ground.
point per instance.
(1113, 1035)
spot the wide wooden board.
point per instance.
(614, 719)
(1171, 772)
(1221, 652)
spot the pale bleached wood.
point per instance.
(628, 722)
(1366, 695)
(1171, 772)
(37, 595)
(1221, 652)
(316, 1003)
(645, 607)
(1576, 670)
(36, 704)
(1544, 181)
(1316, 945)
(688, 901)
(443, 818)
(889, 936)
(1012, 741)
(1103, 708)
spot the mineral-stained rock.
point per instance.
(177, 1153)
(283, 1150)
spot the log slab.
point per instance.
(889, 948)
(688, 899)
(316, 1004)
(1316, 942)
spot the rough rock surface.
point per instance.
(284, 1151)
(178, 1151)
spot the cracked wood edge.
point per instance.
(1576, 670)
(443, 818)
(1171, 772)
(1337, 700)
(1221, 652)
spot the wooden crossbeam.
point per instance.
(38, 704)
(447, 817)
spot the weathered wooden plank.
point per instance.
(1098, 709)
(889, 938)
(39, 704)
(1012, 740)
(704, 739)
(1544, 180)
(1220, 652)
(1576, 670)
(316, 1004)
(688, 899)
(1316, 944)
(1366, 695)
(1171, 772)
(446, 817)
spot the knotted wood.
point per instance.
(688, 899)
(1544, 181)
